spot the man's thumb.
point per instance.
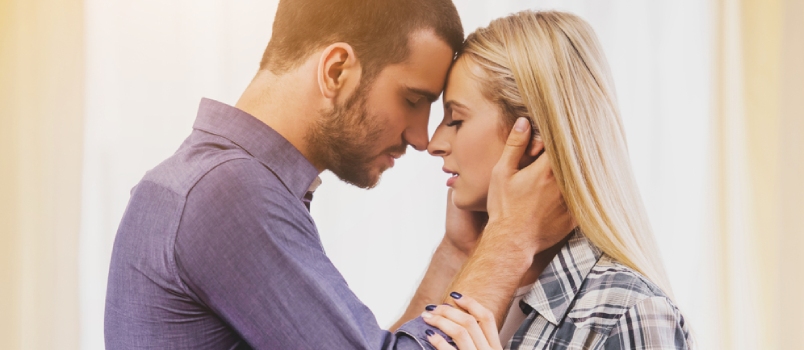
(516, 145)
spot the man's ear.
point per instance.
(338, 70)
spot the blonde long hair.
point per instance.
(549, 67)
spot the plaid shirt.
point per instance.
(586, 300)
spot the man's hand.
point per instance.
(463, 227)
(527, 215)
(526, 205)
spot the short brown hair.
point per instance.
(377, 30)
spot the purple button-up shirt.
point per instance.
(217, 250)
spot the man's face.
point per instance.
(360, 138)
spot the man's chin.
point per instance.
(373, 177)
(366, 179)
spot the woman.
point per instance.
(604, 286)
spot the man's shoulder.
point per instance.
(216, 162)
(239, 179)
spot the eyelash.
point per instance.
(455, 123)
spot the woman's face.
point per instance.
(469, 138)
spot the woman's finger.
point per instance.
(461, 317)
(484, 317)
(438, 341)
(458, 333)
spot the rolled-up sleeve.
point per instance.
(248, 250)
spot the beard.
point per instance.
(345, 136)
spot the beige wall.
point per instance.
(759, 122)
(774, 79)
(790, 244)
(41, 94)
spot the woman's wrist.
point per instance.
(445, 264)
(453, 254)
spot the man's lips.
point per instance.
(392, 157)
(391, 154)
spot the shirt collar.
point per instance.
(560, 282)
(260, 141)
(313, 186)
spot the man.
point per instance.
(217, 249)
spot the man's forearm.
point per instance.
(493, 272)
(445, 264)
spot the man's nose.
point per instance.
(416, 135)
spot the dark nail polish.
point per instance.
(455, 295)
(430, 307)
(429, 332)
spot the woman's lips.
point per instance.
(452, 178)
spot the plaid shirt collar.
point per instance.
(558, 285)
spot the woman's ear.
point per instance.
(535, 149)
(536, 146)
(338, 70)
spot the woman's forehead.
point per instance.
(463, 85)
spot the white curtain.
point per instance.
(149, 62)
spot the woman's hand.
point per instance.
(475, 330)
(463, 227)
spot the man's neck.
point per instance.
(283, 103)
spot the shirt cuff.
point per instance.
(416, 329)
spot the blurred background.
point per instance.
(93, 93)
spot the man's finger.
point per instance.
(515, 146)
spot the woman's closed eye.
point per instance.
(455, 123)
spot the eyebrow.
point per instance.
(453, 103)
(429, 95)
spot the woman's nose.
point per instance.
(439, 146)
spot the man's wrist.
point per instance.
(504, 250)
(512, 238)
(494, 270)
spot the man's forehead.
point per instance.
(428, 60)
